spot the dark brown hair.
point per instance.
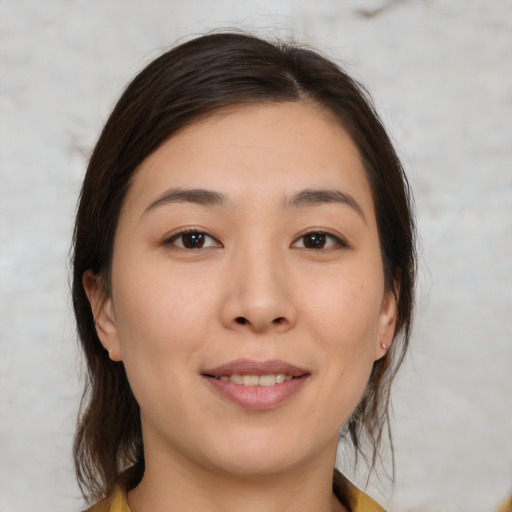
(190, 82)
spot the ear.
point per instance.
(103, 313)
(387, 324)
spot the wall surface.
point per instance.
(439, 71)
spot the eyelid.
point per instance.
(170, 239)
(341, 242)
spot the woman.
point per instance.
(243, 283)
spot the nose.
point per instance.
(259, 295)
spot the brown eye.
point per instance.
(319, 240)
(193, 240)
(314, 241)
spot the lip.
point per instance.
(249, 367)
(256, 397)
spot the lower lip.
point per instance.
(258, 397)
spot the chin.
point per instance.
(256, 465)
(254, 455)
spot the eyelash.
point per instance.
(172, 240)
(336, 241)
(324, 237)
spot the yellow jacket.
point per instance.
(507, 506)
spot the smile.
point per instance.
(256, 380)
(256, 385)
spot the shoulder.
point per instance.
(507, 506)
(116, 502)
(351, 497)
(363, 502)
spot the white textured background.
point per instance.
(440, 72)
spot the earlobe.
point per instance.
(102, 311)
(387, 325)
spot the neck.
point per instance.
(173, 484)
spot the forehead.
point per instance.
(254, 153)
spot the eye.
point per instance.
(193, 240)
(319, 240)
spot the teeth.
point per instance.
(255, 380)
(237, 379)
(250, 380)
(269, 380)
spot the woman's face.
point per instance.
(248, 302)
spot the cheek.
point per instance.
(164, 320)
(344, 322)
(160, 311)
(346, 309)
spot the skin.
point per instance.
(173, 311)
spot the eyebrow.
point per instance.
(304, 198)
(195, 195)
(314, 197)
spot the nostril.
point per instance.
(277, 321)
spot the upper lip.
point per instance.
(248, 367)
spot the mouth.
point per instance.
(256, 380)
(256, 385)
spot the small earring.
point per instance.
(383, 346)
(109, 350)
